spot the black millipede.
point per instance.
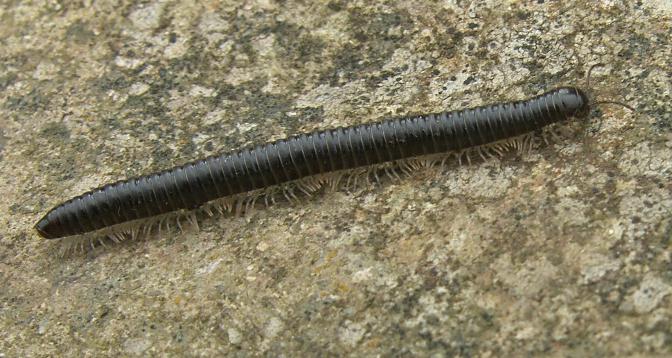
(108, 210)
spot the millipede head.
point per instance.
(574, 101)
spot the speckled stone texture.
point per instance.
(563, 251)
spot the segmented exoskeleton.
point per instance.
(191, 185)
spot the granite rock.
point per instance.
(564, 250)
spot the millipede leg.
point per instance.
(239, 207)
(208, 211)
(250, 203)
(480, 153)
(303, 188)
(179, 223)
(193, 221)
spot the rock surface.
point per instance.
(565, 250)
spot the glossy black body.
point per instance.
(193, 184)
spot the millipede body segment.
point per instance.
(191, 185)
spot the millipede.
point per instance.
(232, 181)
